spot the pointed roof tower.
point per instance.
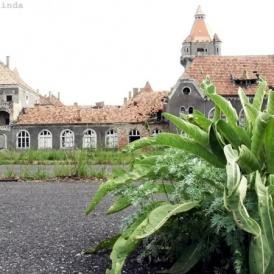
(200, 41)
(147, 87)
(199, 31)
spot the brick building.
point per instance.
(30, 120)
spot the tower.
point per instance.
(200, 41)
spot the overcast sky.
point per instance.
(98, 50)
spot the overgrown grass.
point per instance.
(108, 157)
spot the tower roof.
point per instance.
(199, 13)
(199, 31)
(147, 87)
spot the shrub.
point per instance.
(238, 212)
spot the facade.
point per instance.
(29, 120)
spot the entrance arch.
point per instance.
(4, 118)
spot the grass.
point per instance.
(92, 157)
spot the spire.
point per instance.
(147, 87)
(199, 31)
(199, 13)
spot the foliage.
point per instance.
(45, 157)
(238, 213)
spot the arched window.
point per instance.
(155, 131)
(45, 139)
(23, 139)
(89, 139)
(211, 114)
(111, 139)
(242, 119)
(134, 135)
(182, 110)
(67, 139)
(190, 110)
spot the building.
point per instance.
(30, 120)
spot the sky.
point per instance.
(98, 50)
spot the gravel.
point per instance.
(43, 229)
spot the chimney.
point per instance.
(75, 104)
(99, 104)
(49, 93)
(129, 95)
(125, 100)
(135, 92)
(59, 95)
(7, 61)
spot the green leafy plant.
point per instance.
(246, 218)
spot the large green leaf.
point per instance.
(266, 213)
(250, 113)
(199, 119)
(125, 201)
(258, 133)
(269, 145)
(216, 144)
(159, 216)
(180, 142)
(141, 169)
(188, 259)
(199, 135)
(105, 244)
(259, 95)
(247, 160)
(270, 103)
(127, 243)
(235, 135)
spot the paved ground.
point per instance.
(43, 229)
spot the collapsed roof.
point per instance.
(141, 108)
(231, 72)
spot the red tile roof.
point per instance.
(224, 70)
(12, 77)
(139, 109)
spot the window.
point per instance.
(111, 139)
(182, 110)
(67, 139)
(27, 99)
(23, 139)
(89, 139)
(134, 135)
(156, 131)
(190, 110)
(45, 139)
(211, 114)
(9, 98)
(186, 90)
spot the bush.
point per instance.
(203, 214)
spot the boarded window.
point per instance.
(45, 139)
(111, 139)
(89, 139)
(67, 139)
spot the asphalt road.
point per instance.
(43, 229)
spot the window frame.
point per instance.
(114, 136)
(23, 137)
(61, 137)
(44, 136)
(93, 135)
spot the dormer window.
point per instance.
(200, 51)
(245, 78)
